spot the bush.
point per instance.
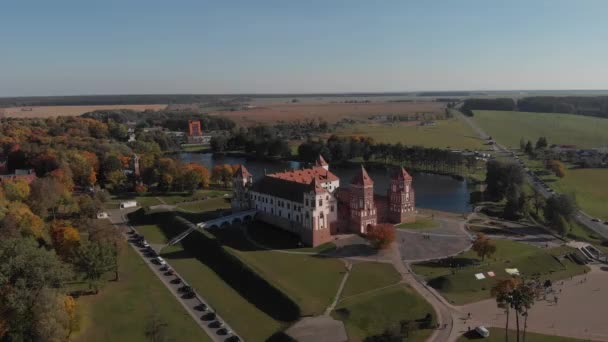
(441, 283)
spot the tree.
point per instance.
(29, 275)
(46, 195)
(529, 149)
(92, 260)
(156, 329)
(16, 190)
(556, 167)
(516, 201)
(522, 299)
(483, 246)
(560, 210)
(502, 291)
(66, 238)
(116, 180)
(381, 235)
(541, 143)
(502, 176)
(20, 221)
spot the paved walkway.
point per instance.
(117, 218)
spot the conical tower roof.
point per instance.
(402, 174)
(362, 178)
(320, 161)
(242, 172)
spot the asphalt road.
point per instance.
(192, 304)
(582, 217)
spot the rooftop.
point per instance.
(306, 176)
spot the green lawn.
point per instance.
(370, 314)
(588, 185)
(243, 283)
(122, 310)
(509, 127)
(459, 285)
(368, 276)
(205, 205)
(498, 335)
(450, 133)
(422, 222)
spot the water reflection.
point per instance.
(432, 191)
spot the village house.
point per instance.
(311, 204)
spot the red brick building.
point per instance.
(194, 128)
(311, 204)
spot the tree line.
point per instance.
(580, 105)
(343, 149)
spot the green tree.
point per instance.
(92, 260)
(541, 143)
(529, 149)
(27, 272)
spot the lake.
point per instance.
(432, 191)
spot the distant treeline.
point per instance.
(96, 100)
(174, 121)
(487, 104)
(343, 149)
(445, 93)
(580, 105)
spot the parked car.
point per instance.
(145, 244)
(482, 331)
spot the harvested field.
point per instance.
(49, 111)
(330, 112)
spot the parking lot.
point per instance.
(200, 311)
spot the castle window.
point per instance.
(288, 206)
(331, 208)
(320, 203)
(271, 201)
(307, 202)
(288, 216)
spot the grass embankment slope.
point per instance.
(122, 310)
(455, 277)
(450, 133)
(373, 300)
(422, 223)
(509, 127)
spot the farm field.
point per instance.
(330, 112)
(461, 286)
(450, 133)
(509, 127)
(122, 310)
(50, 111)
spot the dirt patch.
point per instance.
(49, 111)
(330, 112)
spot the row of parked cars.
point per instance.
(187, 291)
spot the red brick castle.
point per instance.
(311, 204)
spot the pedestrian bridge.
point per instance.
(216, 223)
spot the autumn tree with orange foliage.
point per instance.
(381, 235)
(20, 221)
(16, 190)
(483, 246)
(65, 238)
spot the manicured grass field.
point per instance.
(422, 222)
(590, 186)
(122, 310)
(459, 285)
(370, 314)
(205, 205)
(259, 292)
(498, 335)
(509, 127)
(450, 133)
(368, 276)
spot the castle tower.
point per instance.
(362, 207)
(401, 198)
(320, 162)
(194, 128)
(135, 165)
(241, 182)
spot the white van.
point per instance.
(482, 331)
(128, 204)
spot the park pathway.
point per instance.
(332, 306)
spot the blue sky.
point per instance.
(64, 47)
